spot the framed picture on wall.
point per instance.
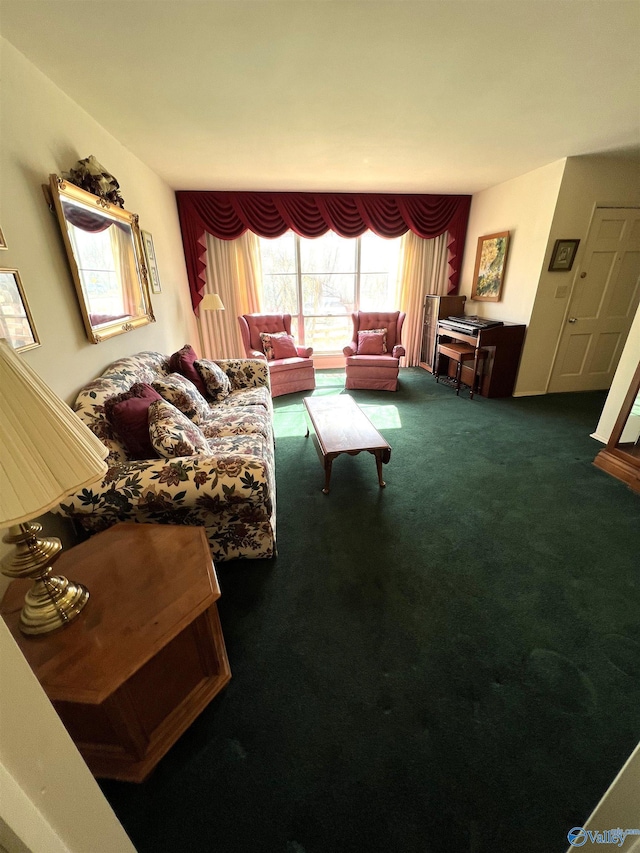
(491, 257)
(152, 264)
(16, 322)
(3, 242)
(563, 255)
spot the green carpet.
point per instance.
(447, 665)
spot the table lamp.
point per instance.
(211, 302)
(46, 454)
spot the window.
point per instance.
(321, 281)
(100, 282)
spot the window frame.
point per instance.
(301, 316)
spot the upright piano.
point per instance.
(503, 343)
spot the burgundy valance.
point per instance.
(86, 220)
(227, 215)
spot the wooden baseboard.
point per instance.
(620, 466)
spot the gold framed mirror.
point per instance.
(106, 257)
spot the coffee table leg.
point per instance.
(379, 467)
(328, 461)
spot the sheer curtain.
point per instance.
(126, 270)
(234, 272)
(423, 269)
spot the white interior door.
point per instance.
(603, 303)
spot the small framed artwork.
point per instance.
(563, 255)
(16, 322)
(152, 264)
(3, 242)
(491, 257)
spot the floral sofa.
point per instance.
(227, 486)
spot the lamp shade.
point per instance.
(46, 451)
(211, 302)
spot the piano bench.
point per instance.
(461, 353)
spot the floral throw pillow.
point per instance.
(365, 332)
(184, 395)
(215, 379)
(172, 434)
(267, 342)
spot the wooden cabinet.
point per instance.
(436, 307)
(145, 656)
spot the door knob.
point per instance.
(572, 319)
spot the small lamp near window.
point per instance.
(46, 453)
(211, 302)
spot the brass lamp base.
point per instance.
(53, 601)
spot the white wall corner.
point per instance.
(618, 808)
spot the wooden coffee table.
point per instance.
(341, 426)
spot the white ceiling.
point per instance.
(432, 96)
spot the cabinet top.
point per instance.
(146, 583)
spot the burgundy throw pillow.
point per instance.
(284, 347)
(183, 362)
(128, 414)
(369, 344)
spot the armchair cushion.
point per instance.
(278, 345)
(215, 379)
(128, 415)
(172, 433)
(284, 347)
(183, 362)
(372, 342)
(184, 395)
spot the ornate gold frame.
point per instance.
(27, 311)
(58, 190)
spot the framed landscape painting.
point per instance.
(488, 275)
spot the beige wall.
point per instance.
(627, 366)
(619, 807)
(538, 208)
(588, 182)
(47, 789)
(44, 131)
(523, 206)
(50, 800)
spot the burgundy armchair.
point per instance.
(375, 372)
(287, 374)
